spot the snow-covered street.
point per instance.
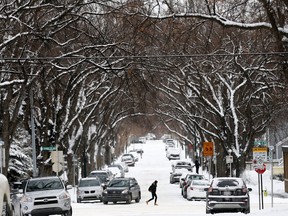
(155, 166)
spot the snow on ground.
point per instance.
(155, 166)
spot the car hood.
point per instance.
(44, 193)
(116, 188)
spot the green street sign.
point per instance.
(260, 143)
(48, 148)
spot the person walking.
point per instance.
(197, 165)
(152, 189)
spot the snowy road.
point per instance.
(155, 166)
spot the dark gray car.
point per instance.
(122, 189)
(227, 194)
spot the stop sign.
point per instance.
(261, 169)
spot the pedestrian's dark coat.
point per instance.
(153, 187)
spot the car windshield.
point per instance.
(119, 183)
(101, 176)
(89, 183)
(199, 177)
(126, 158)
(228, 183)
(44, 184)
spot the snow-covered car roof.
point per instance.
(182, 162)
(180, 170)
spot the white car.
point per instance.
(173, 153)
(177, 164)
(46, 196)
(4, 196)
(116, 171)
(135, 155)
(89, 189)
(196, 189)
(128, 160)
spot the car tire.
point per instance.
(105, 202)
(128, 201)
(68, 213)
(246, 211)
(137, 200)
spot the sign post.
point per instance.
(260, 169)
(208, 151)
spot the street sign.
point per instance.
(260, 143)
(261, 170)
(208, 149)
(48, 148)
(260, 154)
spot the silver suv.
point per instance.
(45, 196)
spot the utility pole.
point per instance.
(33, 135)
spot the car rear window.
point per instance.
(228, 183)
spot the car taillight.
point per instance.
(213, 191)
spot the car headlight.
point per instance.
(26, 199)
(64, 195)
(125, 191)
(105, 192)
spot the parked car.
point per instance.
(182, 164)
(45, 196)
(128, 160)
(169, 143)
(4, 196)
(187, 180)
(183, 177)
(189, 175)
(227, 194)
(116, 171)
(176, 174)
(196, 189)
(122, 189)
(104, 175)
(134, 154)
(119, 171)
(89, 189)
(173, 153)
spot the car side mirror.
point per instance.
(249, 189)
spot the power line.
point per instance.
(51, 58)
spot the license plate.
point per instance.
(227, 193)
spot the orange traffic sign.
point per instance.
(208, 149)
